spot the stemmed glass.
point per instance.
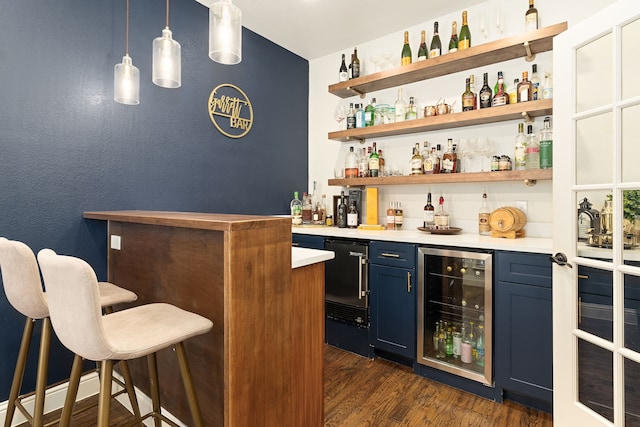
(468, 152)
(386, 54)
(340, 115)
(485, 147)
(375, 60)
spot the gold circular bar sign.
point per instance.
(230, 110)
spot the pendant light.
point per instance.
(166, 59)
(225, 32)
(126, 81)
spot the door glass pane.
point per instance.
(595, 304)
(630, 60)
(594, 238)
(630, 146)
(632, 393)
(595, 378)
(632, 313)
(594, 149)
(631, 224)
(594, 62)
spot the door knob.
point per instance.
(560, 259)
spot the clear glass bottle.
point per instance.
(381, 164)
(422, 50)
(533, 149)
(351, 164)
(391, 217)
(405, 58)
(307, 209)
(296, 210)
(438, 159)
(399, 216)
(352, 215)
(546, 145)
(429, 213)
(464, 41)
(374, 162)
(480, 346)
(449, 159)
(484, 228)
(501, 97)
(412, 112)
(547, 86)
(359, 116)
(472, 88)
(323, 210)
(513, 92)
(525, 88)
(363, 164)
(441, 217)
(520, 157)
(415, 164)
(400, 107)
(436, 45)
(485, 92)
(453, 41)
(536, 91)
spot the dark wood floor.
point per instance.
(361, 392)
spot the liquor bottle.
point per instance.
(438, 157)
(351, 164)
(400, 107)
(485, 92)
(546, 145)
(351, 117)
(359, 116)
(442, 343)
(525, 88)
(449, 159)
(453, 41)
(399, 216)
(480, 346)
(520, 157)
(425, 152)
(464, 41)
(307, 209)
(355, 64)
(471, 338)
(296, 210)
(352, 215)
(436, 46)
(342, 212)
(369, 113)
(374, 162)
(513, 92)
(500, 98)
(412, 112)
(428, 161)
(363, 163)
(415, 164)
(422, 50)
(472, 87)
(533, 149)
(436, 336)
(343, 74)
(467, 97)
(381, 164)
(484, 228)
(323, 210)
(536, 93)
(405, 59)
(315, 213)
(441, 217)
(531, 18)
(391, 215)
(429, 213)
(547, 86)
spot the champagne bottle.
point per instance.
(374, 162)
(464, 41)
(520, 157)
(531, 18)
(467, 97)
(355, 64)
(406, 50)
(344, 74)
(484, 228)
(422, 50)
(525, 88)
(429, 213)
(453, 42)
(485, 92)
(436, 45)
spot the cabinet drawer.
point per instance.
(392, 254)
(307, 241)
(525, 268)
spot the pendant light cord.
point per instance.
(167, 14)
(127, 32)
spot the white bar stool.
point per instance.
(74, 307)
(23, 287)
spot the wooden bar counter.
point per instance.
(261, 365)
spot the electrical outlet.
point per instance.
(116, 242)
(522, 205)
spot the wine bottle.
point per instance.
(406, 50)
(422, 50)
(525, 88)
(344, 74)
(436, 45)
(464, 41)
(429, 213)
(453, 42)
(531, 18)
(355, 64)
(520, 157)
(467, 97)
(352, 215)
(374, 162)
(485, 92)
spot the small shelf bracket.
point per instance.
(530, 55)
(527, 118)
(530, 182)
(357, 92)
(360, 140)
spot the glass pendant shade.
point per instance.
(225, 32)
(166, 61)
(126, 82)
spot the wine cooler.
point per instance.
(454, 312)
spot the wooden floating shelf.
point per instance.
(528, 176)
(543, 107)
(523, 45)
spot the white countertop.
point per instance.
(301, 257)
(463, 240)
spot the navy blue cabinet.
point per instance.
(524, 328)
(307, 241)
(392, 296)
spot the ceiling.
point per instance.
(315, 28)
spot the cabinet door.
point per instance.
(307, 241)
(393, 320)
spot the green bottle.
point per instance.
(406, 50)
(422, 49)
(369, 113)
(464, 41)
(546, 145)
(453, 42)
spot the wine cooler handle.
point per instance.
(408, 282)
(362, 263)
(560, 259)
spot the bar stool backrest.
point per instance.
(21, 279)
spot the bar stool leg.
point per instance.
(18, 374)
(104, 401)
(154, 387)
(189, 387)
(128, 385)
(72, 392)
(43, 368)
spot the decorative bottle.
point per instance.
(484, 228)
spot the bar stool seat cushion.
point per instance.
(111, 294)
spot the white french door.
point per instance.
(596, 159)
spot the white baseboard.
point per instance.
(89, 386)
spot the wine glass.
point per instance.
(387, 55)
(485, 147)
(499, 24)
(340, 114)
(469, 151)
(375, 60)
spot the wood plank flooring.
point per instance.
(360, 392)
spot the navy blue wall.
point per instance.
(66, 147)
